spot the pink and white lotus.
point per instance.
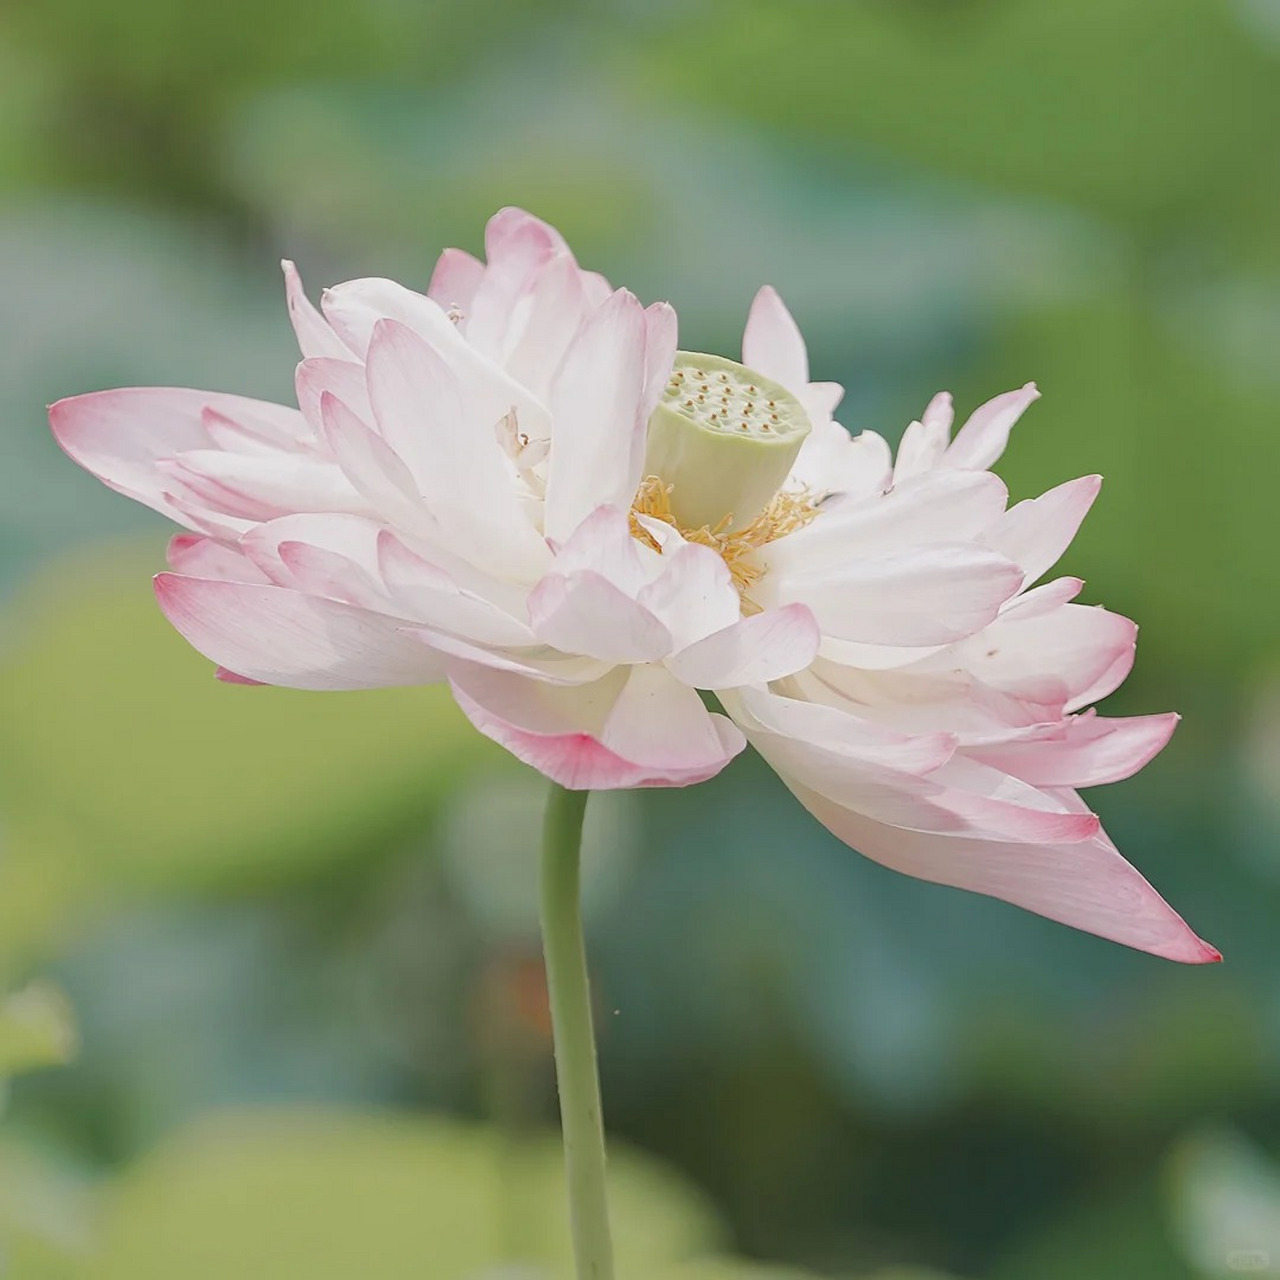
(515, 483)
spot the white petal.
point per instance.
(925, 596)
(1035, 533)
(596, 404)
(983, 438)
(460, 470)
(754, 650)
(772, 343)
(585, 613)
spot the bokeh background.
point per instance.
(295, 932)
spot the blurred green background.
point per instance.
(296, 930)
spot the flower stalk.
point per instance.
(575, 1046)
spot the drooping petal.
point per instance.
(637, 729)
(278, 636)
(984, 436)
(1086, 884)
(772, 342)
(1035, 533)
(754, 650)
(596, 405)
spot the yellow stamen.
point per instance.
(788, 511)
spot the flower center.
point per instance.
(723, 440)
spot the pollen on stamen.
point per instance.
(791, 509)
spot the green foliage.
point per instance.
(318, 1195)
(126, 767)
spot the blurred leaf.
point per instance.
(1135, 107)
(1225, 1205)
(327, 1196)
(1120, 1235)
(37, 1029)
(160, 775)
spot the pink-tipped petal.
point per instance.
(637, 730)
(753, 650)
(1083, 751)
(196, 556)
(343, 379)
(456, 278)
(983, 438)
(315, 336)
(1087, 885)
(230, 677)
(283, 637)
(772, 342)
(121, 436)
(1035, 533)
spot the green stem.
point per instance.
(575, 1044)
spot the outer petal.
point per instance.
(772, 342)
(983, 438)
(277, 636)
(596, 404)
(1036, 532)
(257, 486)
(631, 729)
(121, 435)
(1087, 885)
(754, 650)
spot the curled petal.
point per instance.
(1086, 884)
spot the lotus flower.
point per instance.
(515, 483)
